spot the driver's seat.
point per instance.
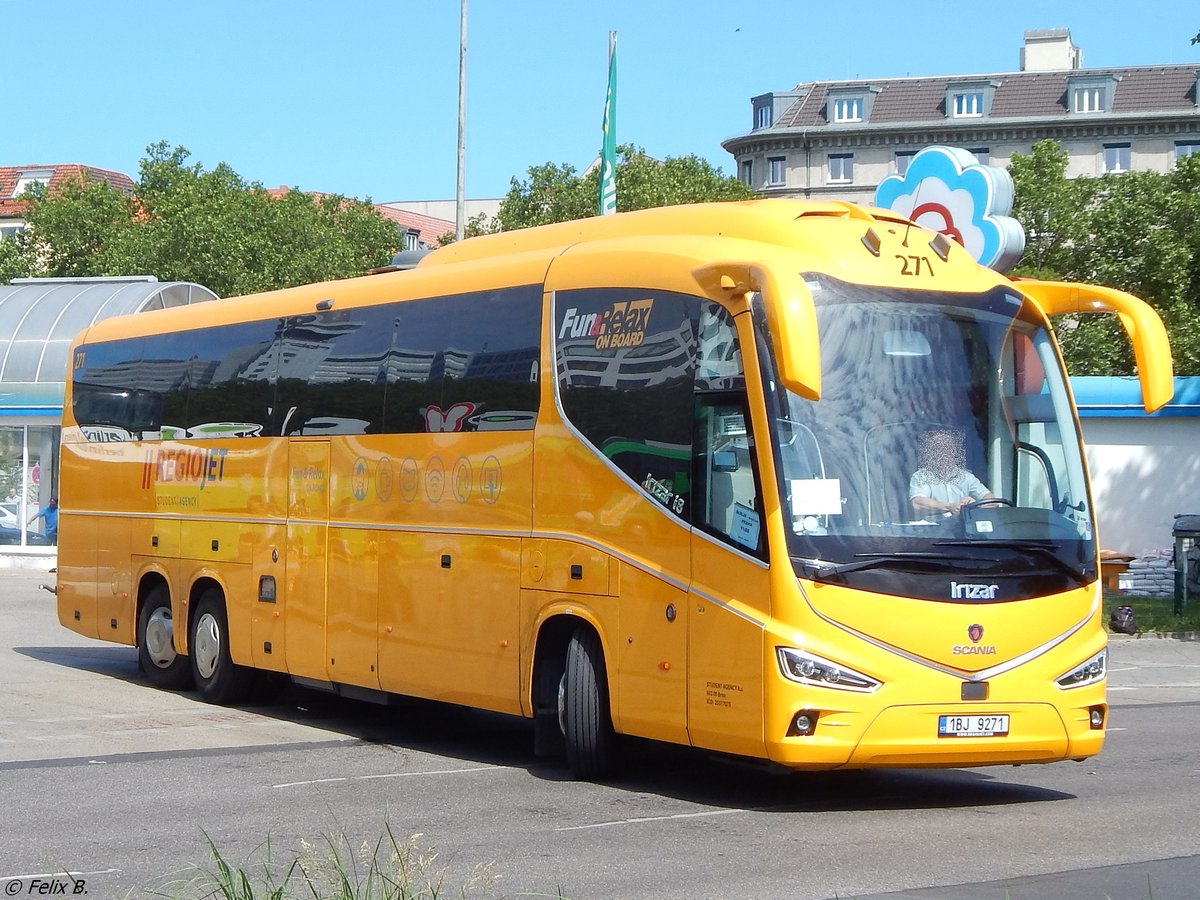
(889, 460)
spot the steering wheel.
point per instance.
(998, 501)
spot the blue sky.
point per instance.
(360, 97)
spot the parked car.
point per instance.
(12, 535)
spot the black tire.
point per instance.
(587, 718)
(157, 657)
(217, 679)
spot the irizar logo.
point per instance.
(972, 591)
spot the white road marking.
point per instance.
(389, 775)
(71, 875)
(698, 815)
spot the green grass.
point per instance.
(334, 868)
(1156, 613)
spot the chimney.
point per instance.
(1049, 50)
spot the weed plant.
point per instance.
(333, 869)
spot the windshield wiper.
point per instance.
(870, 561)
(1041, 548)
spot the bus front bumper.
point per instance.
(910, 736)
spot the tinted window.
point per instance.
(726, 492)
(113, 397)
(331, 371)
(626, 362)
(464, 363)
(231, 380)
(461, 363)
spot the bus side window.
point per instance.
(726, 481)
(626, 362)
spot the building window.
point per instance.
(28, 482)
(841, 167)
(762, 116)
(1186, 148)
(982, 155)
(748, 172)
(968, 105)
(34, 180)
(11, 231)
(776, 169)
(1116, 157)
(848, 109)
(1088, 99)
(903, 158)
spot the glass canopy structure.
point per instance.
(39, 318)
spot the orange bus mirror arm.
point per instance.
(1151, 348)
(790, 316)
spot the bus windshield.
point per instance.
(942, 460)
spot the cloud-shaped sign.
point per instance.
(946, 190)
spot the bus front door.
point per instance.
(730, 581)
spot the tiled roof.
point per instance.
(1018, 95)
(429, 228)
(61, 173)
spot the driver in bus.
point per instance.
(942, 484)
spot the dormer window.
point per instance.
(769, 108)
(31, 178)
(970, 100)
(848, 109)
(968, 105)
(1091, 95)
(845, 106)
(1087, 99)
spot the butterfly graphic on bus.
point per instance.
(438, 420)
(467, 416)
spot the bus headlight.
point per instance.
(806, 668)
(1095, 669)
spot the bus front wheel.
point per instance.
(218, 680)
(585, 714)
(164, 667)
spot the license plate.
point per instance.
(972, 726)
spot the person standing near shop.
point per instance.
(49, 512)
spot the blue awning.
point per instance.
(1100, 397)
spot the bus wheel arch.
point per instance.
(218, 679)
(158, 658)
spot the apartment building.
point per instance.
(839, 139)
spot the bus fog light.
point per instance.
(1088, 672)
(804, 723)
(1096, 718)
(807, 668)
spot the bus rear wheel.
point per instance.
(218, 680)
(157, 657)
(585, 714)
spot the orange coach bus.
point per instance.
(655, 474)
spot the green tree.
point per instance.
(184, 223)
(1139, 232)
(557, 193)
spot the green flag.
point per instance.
(608, 153)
